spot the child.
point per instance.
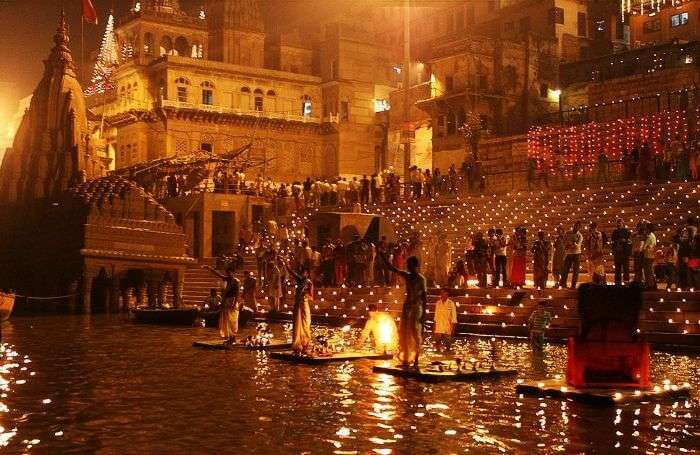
(537, 324)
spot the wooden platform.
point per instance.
(557, 388)
(219, 345)
(427, 375)
(339, 357)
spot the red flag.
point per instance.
(89, 12)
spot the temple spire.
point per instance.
(61, 57)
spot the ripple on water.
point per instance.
(97, 379)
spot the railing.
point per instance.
(242, 112)
(639, 61)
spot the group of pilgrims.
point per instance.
(285, 261)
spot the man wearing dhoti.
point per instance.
(413, 312)
(228, 318)
(301, 314)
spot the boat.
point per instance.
(211, 317)
(7, 304)
(167, 316)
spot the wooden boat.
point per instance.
(166, 316)
(7, 304)
(220, 345)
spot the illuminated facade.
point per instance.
(215, 80)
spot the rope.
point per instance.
(26, 297)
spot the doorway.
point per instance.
(222, 233)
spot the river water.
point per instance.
(76, 384)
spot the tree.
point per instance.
(471, 132)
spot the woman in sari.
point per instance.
(519, 259)
(301, 315)
(413, 312)
(228, 318)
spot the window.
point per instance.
(652, 26)
(449, 83)
(182, 84)
(556, 15)
(451, 124)
(492, 5)
(544, 90)
(182, 94)
(306, 106)
(344, 110)
(381, 105)
(207, 93)
(207, 147)
(245, 90)
(148, 43)
(207, 96)
(679, 19)
(441, 126)
(582, 25)
(258, 99)
(271, 93)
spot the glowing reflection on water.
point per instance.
(98, 379)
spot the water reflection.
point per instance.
(104, 383)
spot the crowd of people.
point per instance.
(678, 160)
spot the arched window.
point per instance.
(245, 90)
(258, 98)
(207, 93)
(181, 84)
(306, 108)
(166, 46)
(182, 47)
(148, 43)
(271, 93)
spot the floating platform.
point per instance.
(220, 345)
(423, 374)
(337, 357)
(557, 388)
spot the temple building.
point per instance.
(69, 232)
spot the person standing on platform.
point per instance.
(412, 313)
(518, 259)
(228, 318)
(594, 254)
(445, 320)
(275, 284)
(637, 253)
(572, 243)
(501, 242)
(541, 250)
(559, 254)
(622, 250)
(301, 314)
(649, 254)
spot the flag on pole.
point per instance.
(89, 12)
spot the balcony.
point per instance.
(635, 62)
(215, 109)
